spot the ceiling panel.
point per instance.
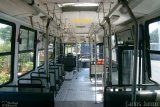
(147, 6)
(16, 8)
(80, 21)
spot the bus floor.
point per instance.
(79, 92)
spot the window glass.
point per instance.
(5, 52)
(5, 38)
(113, 41)
(42, 42)
(154, 41)
(26, 51)
(72, 48)
(25, 62)
(113, 48)
(41, 45)
(85, 49)
(24, 38)
(5, 68)
(155, 67)
(154, 32)
(50, 51)
(100, 51)
(41, 57)
(31, 40)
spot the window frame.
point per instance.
(148, 50)
(30, 50)
(12, 52)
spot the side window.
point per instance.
(99, 51)
(114, 58)
(41, 45)
(26, 57)
(50, 51)
(154, 51)
(7, 35)
(154, 33)
(71, 48)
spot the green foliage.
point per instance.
(5, 33)
(3, 61)
(27, 39)
(25, 62)
(4, 77)
(28, 65)
(5, 46)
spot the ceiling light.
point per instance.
(78, 4)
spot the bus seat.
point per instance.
(27, 85)
(26, 99)
(123, 98)
(69, 62)
(54, 70)
(42, 76)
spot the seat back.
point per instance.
(26, 99)
(55, 69)
(52, 79)
(30, 85)
(69, 62)
(123, 98)
(42, 76)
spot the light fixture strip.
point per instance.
(78, 4)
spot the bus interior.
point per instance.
(79, 53)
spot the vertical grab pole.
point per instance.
(90, 54)
(104, 52)
(110, 51)
(95, 70)
(46, 50)
(77, 69)
(105, 59)
(55, 49)
(136, 43)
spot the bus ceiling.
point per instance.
(75, 18)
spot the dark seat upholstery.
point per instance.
(30, 85)
(123, 99)
(69, 62)
(25, 99)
